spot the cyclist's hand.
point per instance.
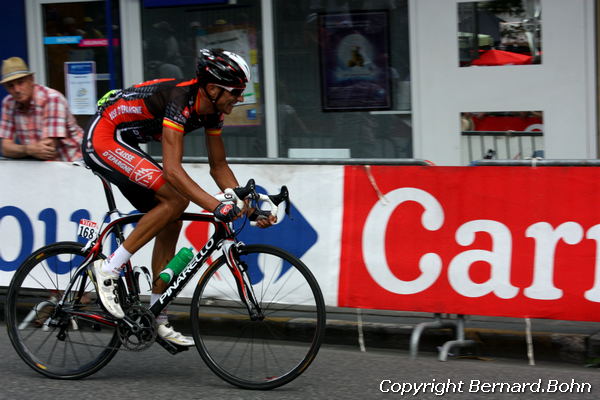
(263, 219)
(247, 210)
(227, 212)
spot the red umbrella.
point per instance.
(500, 57)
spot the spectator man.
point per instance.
(36, 121)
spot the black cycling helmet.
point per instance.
(222, 68)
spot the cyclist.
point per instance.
(164, 110)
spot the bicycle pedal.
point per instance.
(171, 347)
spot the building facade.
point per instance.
(346, 79)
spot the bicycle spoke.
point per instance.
(74, 352)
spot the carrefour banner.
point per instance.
(500, 241)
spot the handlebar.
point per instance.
(248, 192)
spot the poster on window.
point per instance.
(80, 85)
(354, 54)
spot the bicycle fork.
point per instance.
(239, 270)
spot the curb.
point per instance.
(574, 348)
(563, 347)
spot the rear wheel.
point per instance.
(63, 342)
(264, 353)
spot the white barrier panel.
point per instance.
(42, 202)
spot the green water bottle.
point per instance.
(177, 264)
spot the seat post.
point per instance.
(112, 205)
(110, 198)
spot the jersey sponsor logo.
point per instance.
(145, 174)
(124, 109)
(179, 118)
(117, 162)
(127, 156)
(226, 208)
(186, 112)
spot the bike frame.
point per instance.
(223, 239)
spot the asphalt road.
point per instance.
(339, 372)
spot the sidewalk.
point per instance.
(565, 341)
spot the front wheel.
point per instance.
(259, 353)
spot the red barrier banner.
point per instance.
(499, 241)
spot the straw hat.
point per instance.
(14, 68)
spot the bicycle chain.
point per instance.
(142, 330)
(135, 314)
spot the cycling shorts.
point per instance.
(119, 159)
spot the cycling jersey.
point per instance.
(128, 117)
(142, 110)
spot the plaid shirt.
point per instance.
(48, 116)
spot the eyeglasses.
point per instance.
(237, 92)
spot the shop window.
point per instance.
(79, 33)
(172, 37)
(343, 78)
(499, 32)
(502, 135)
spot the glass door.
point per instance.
(83, 35)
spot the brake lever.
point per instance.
(245, 191)
(284, 195)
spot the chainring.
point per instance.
(138, 330)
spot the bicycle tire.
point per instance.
(259, 354)
(76, 347)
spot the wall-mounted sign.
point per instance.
(80, 85)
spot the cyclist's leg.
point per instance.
(169, 206)
(164, 250)
(137, 176)
(162, 223)
(144, 186)
(140, 179)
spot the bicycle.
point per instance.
(257, 313)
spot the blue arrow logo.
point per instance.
(293, 234)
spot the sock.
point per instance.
(162, 318)
(114, 263)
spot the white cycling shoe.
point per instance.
(169, 334)
(106, 286)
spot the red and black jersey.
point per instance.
(141, 111)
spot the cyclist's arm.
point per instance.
(172, 142)
(219, 168)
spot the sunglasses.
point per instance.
(237, 92)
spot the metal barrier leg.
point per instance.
(419, 328)
(34, 312)
(460, 339)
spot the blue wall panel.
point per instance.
(13, 33)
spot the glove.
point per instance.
(226, 212)
(259, 214)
